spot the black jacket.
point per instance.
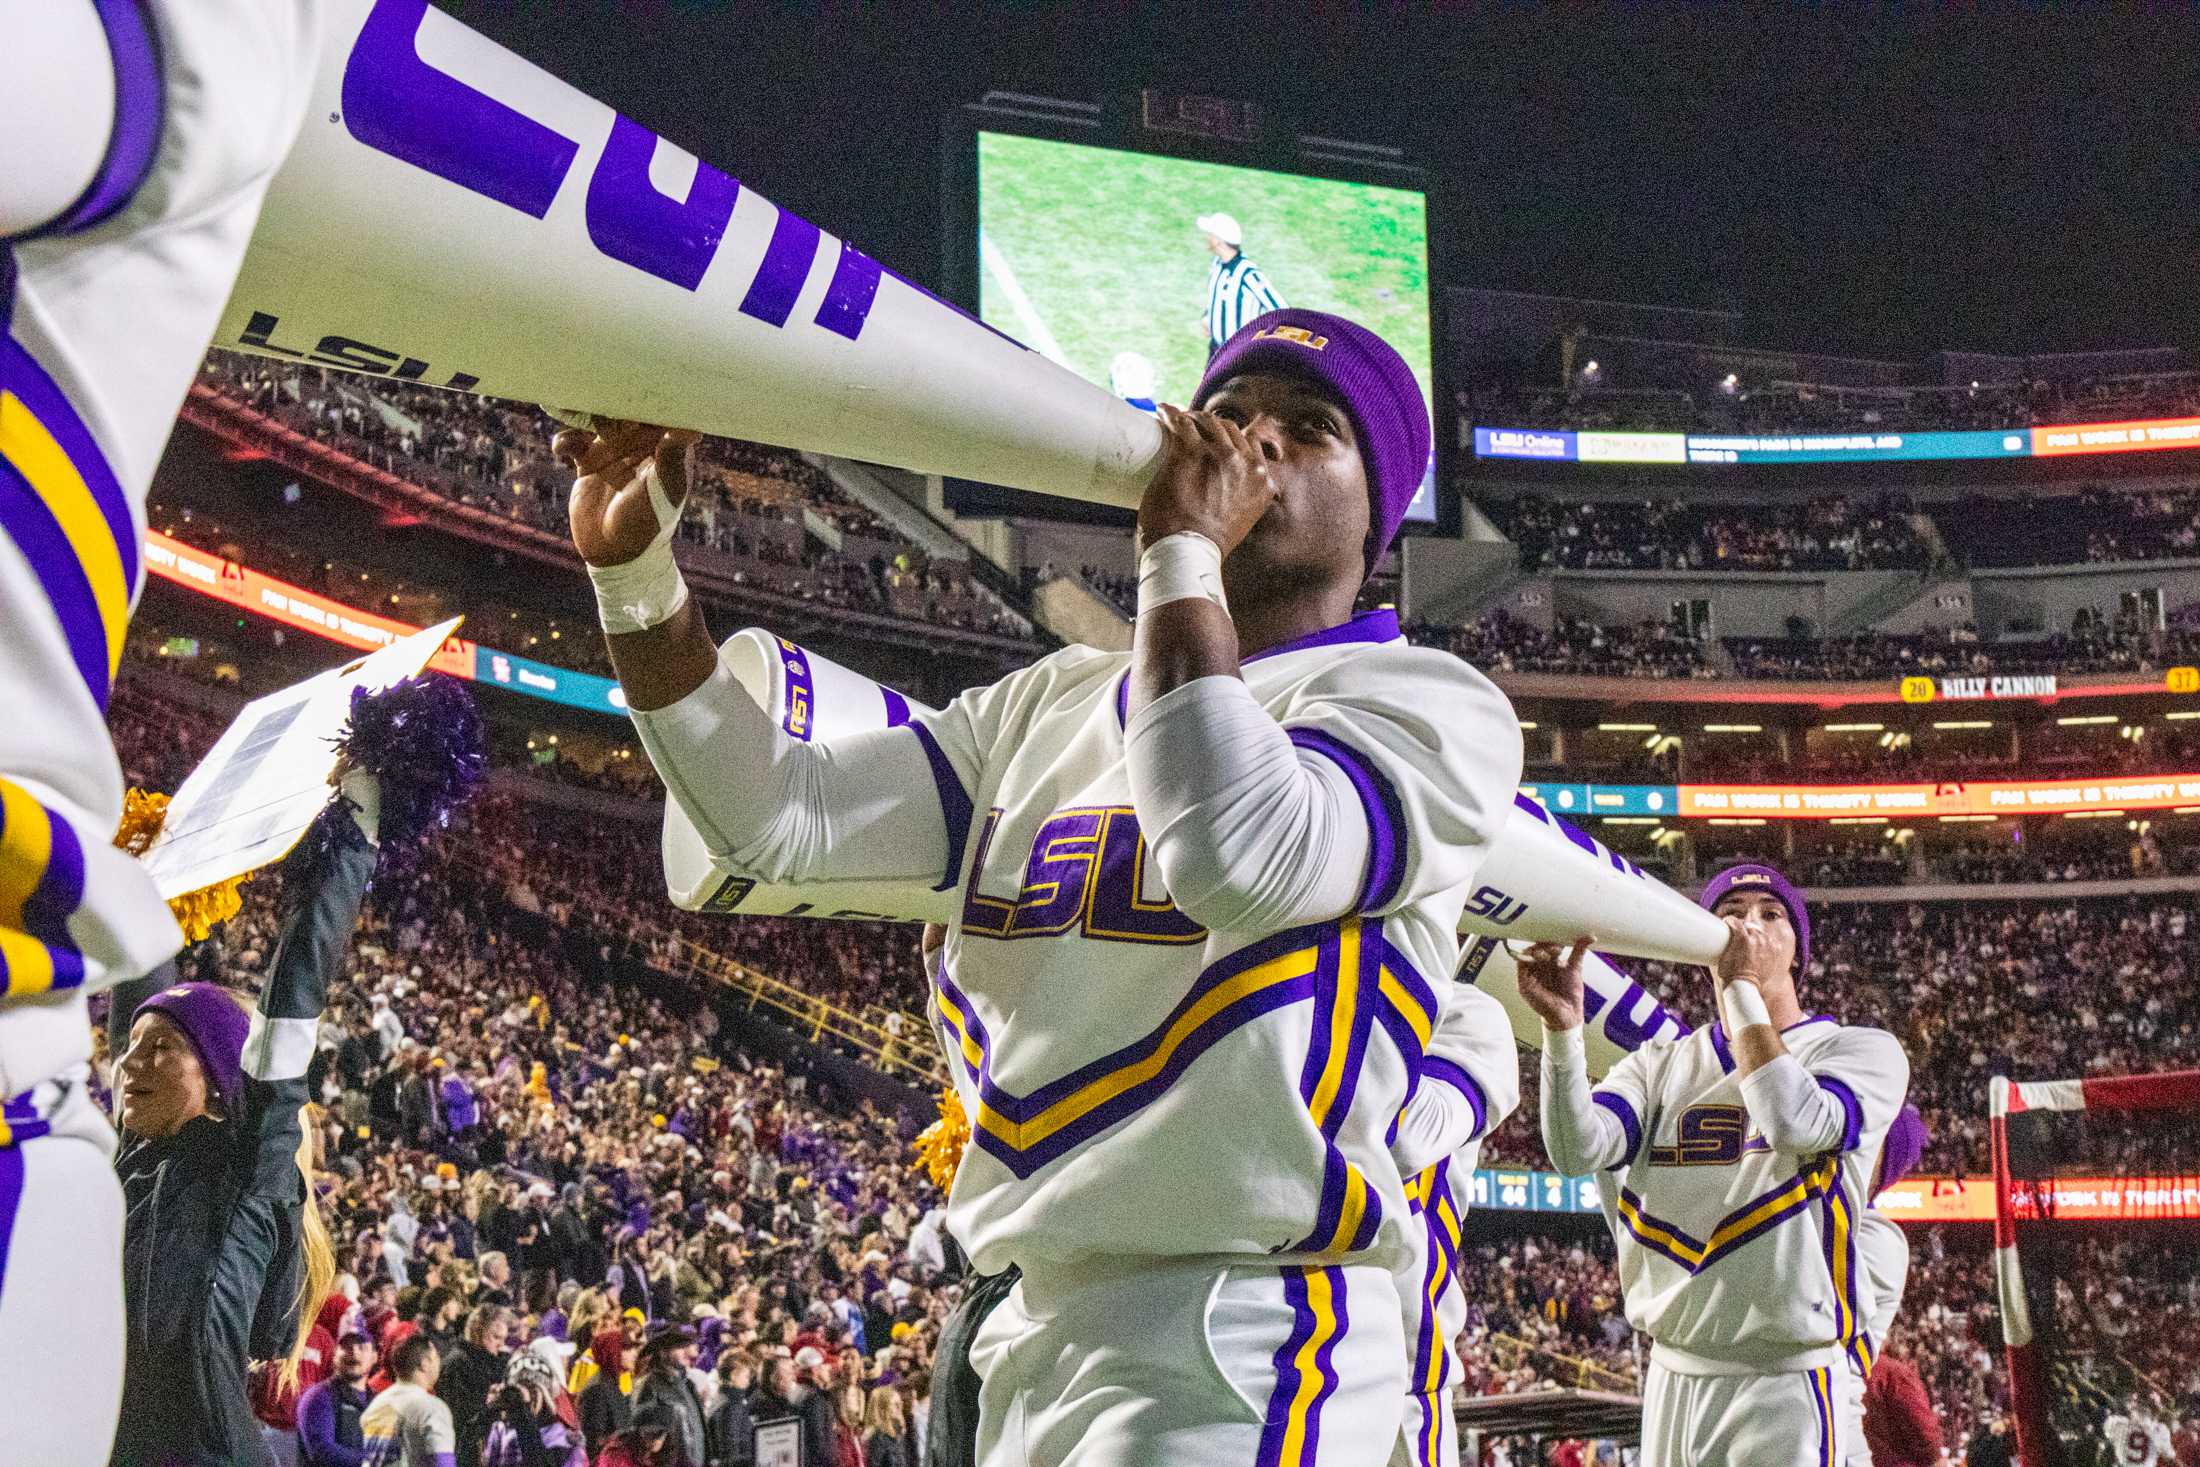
(953, 1438)
(732, 1431)
(675, 1392)
(815, 1412)
(210, 1243)
(604, 1412)
(470, 1375)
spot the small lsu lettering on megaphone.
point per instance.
(1619, 1014)
(1545, 881)
(462, 218)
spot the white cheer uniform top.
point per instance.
(1735, 1257)
(1140, 1086)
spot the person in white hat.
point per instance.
(1237, 291)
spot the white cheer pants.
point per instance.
(1429, 1435)
(1196, 1363)
(61, 1322)
(1743, 1420)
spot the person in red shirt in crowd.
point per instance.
(275, 1398)
(394, 1333)
(1570, 1454)
(651, 1439)
(1900, 1426)
(2184, 1439)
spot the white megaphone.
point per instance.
(1620, 1014)
(455, 216)
(1545, 881)
(810, 697)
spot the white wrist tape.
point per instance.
(646, 591)
(1180, 567)
(1743, 1005)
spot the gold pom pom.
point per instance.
(200, 912)
(196, 912)
(143, 814)
(940, 1145)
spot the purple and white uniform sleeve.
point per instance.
(1587, 1130)
(1250, 833)
(1846, 1097)
(1432, 751)
(71, 71)
(1470, 1081)
(1377, 783)
(883, 805)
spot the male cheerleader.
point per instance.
(136, 142)
(1469, 1084)
(1209, 889)
(1733, 1165)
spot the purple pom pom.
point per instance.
(423, 740)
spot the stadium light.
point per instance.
(2181, 714)
(2093, 814)
(2084, 719)
(1627, 727)
(2186, 810)
(1967, 723)
(1858, 820)
(1855, 728)
(1730, 820)
(1966, 819)
(1629, 819)
(1527, 726)
(1733, 728)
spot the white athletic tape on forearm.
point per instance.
(646, 591)
(1185, 566)
(1743, 1005)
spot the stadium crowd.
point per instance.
(2094, 643)
(1833, 534)
(1665, 397)
(2043, 750)
(761, 515)
(2109, 524)
(1498, 642)
(523, 1132)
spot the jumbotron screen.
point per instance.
(1100, 258)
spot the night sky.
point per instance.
(1857, 184)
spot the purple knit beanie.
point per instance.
(1370, 379)
(217, 1027)
(1764, 878)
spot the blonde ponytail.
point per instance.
(318, 1249)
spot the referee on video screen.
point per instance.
(1236, 290)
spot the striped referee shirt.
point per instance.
(1236, 293)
